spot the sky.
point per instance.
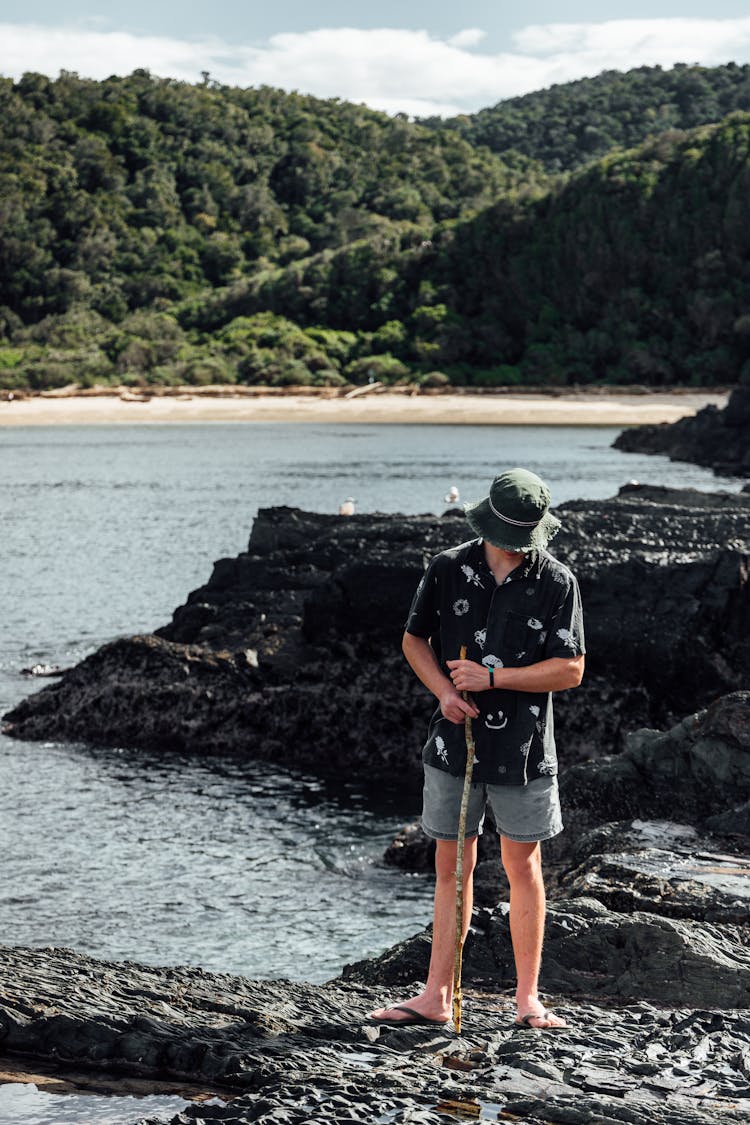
(421, 57)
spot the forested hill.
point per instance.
(157, 232)
(637, 269)
(569, 125)
(150, 187)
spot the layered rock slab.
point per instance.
(662, 868)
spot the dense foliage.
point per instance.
(152, 231)
(637, 269)
(570, 125)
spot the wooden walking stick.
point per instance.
(460, 842)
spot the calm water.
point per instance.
(123, 854)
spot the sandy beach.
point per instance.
(507, 409)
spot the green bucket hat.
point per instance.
(515, 516)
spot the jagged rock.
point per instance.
(661, 868)
(292, 650)
(147, 691)
(297, 1053)
(717, 438)
(698, 768)
(590, 950)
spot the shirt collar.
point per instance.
(529, 568)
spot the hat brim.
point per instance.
(506, 536)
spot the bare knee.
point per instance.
(522, 862)
(445, 859)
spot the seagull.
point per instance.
(347, 508)
(452, 496)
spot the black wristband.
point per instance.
(491, 671)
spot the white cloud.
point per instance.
(390, 69)
(97, 54)
(469, 37)
(621, 44)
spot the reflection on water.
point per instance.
(24, 1103)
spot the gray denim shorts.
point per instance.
(523, 812)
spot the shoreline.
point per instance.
(507, 408)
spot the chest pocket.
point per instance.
(521, 634)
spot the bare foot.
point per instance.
(427, 1008)
(536, 1015)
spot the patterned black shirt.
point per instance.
(534, 614)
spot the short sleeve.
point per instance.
(424, 616)
(565, 636)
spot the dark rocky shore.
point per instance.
(291, 651)
(717, 438)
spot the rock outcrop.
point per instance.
(717, 438)
(281, 1052)
(291, 651)
(698, 770)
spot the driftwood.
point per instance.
(370, 388)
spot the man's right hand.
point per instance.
(423, 661)
(455, 708)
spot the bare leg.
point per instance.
(435, 1001)
(523, 866)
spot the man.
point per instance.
(518, 611)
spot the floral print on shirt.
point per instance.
(460, 603)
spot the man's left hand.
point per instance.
(469, 676)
